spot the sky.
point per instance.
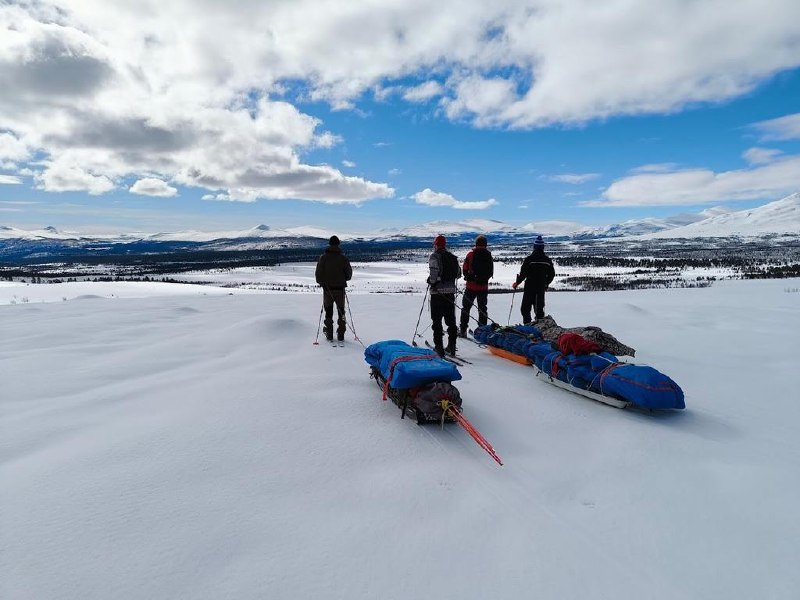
(171, 441)
(368, 114)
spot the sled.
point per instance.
(522, 360)
(615, 402)
(406, 400)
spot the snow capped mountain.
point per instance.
(435, 228)
(779, 217)
(776, 218)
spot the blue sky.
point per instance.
(368, 115)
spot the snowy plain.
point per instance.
(179, 441)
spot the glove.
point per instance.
(428, 281)
(514, 285)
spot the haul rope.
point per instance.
(352, 323)
(471, 430)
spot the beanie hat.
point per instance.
(480, 241)
(440, 241)
(538, 242)
(334, 241)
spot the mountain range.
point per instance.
(781, 217)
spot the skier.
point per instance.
(444, 271)
(537, 272)
(478, 270)
(333, 272)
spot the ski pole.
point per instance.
(510, 308)
(321, 309)
(352, 323)
(419, 318)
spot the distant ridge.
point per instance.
(781, 217)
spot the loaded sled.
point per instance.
(584, 367)
(417, 380)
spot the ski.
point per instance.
(471, 338)
(456, 360)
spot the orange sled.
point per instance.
(523, 360)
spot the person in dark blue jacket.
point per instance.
(537, 272)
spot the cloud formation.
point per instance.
(431, 198)
(783, 128)
(150, 186)
(105, 94)
(700, 186)
(572, 178)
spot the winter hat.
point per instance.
(440, 241)
(334, 241)
(538, 242)
(480, 241)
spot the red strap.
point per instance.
(607, 371)
(400, 359)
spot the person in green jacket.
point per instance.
(332, 273)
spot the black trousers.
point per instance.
(533, 296)
(470, 296)
(329, 298)
(443, 306)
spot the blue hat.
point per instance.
(538, 242)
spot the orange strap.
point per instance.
(474, 433)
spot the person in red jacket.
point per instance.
(478, 270)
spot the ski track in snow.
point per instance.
(201, 446)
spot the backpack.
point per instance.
(449, 267)
(481, 266)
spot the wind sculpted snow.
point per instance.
(200, 446)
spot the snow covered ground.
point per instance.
(194, 445)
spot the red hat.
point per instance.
(440, 241)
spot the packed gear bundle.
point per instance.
(417, 379)
(585, 367)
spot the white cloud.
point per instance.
(102, 99)
(701, 186)
(572, 178)
(783, 128)
(760, 156)
(423, 92)
(150, 186)
(395, 171)
(482, 99)
(348, 163)
(62, 177)
(10, 180)
(656, 168)
(431, 198)
(12, 149)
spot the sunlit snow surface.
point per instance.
(164, 441)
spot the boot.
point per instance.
(451, 347)
(328, 331)
(462, 332)
(438, 344)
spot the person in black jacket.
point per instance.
(333, 272)
(537, 272)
